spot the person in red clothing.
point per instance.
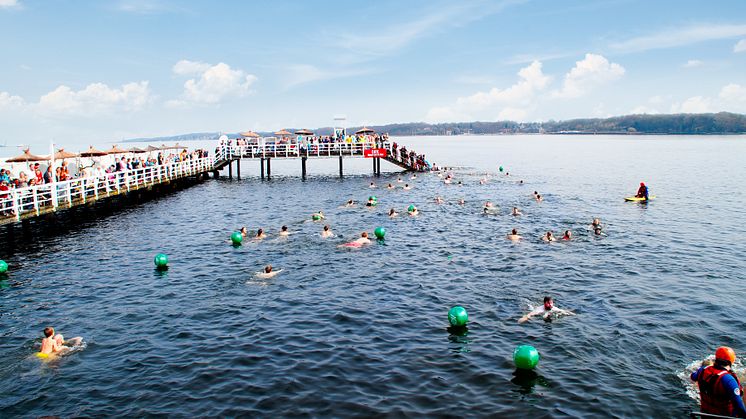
(719, 389)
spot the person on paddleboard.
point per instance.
(642, 192)
(719, 389)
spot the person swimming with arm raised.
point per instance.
(268, 272)
(546, 311)
(55, 344)
(393, 213)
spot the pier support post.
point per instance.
(269, 168)
(303, 167)
(374, 165)
(230, 170)
(261, 165)
(340, 165)
(238, 169)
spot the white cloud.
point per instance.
(733, 93)
(592, 71)
(514, 100)
(96, 98)
(8, 102)
(692, 64)
(213, 84)
(695, 104)
(8, 3)
(305, 73)
(676, 37)
(740, 46)
(190, 68)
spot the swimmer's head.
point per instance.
(549, 234)
(259, 232)
(514, 232)
(406, 185)
(350, 202)
(364, 235)
(326, 228)
(597, 231)
(48, 332)
(392, 211)
(568, 233)
(548, 303)
(284, 228)
(268, 269)
(536, 192)
(538, 196)
(244, 231)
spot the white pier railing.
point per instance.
(34, 200)
(295, 150)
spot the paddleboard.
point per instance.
(636, 199)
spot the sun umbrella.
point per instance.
(136, 150)
(364, 130)
(92, 152)
(250, 134)
(115, 150)
(283, 132)
(151, 148)
(26, 156)
(61, 154)
(303, 132)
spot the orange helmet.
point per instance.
(725, 353)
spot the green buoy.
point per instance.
(236, 238)
(3, 267)
(526, 357)
(380, 233)
(161, 261)
(457, 316)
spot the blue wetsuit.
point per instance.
(730, 386)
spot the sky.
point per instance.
(80, 72)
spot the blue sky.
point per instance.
(98, 71)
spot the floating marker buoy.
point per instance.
(500, 168)
(236, 238)
(526, 357)
(161, 261)
(3, 267)
(380, 233)
(457, 316)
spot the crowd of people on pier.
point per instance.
(98, 173)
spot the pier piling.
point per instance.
(238, 169)
(261, 165)
(340, 165)
(303, 167)
(230, 170)
(269, 168)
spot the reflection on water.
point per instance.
(364, 333)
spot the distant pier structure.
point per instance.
(303, 145)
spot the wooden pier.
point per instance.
(231, 155)
(18, 205)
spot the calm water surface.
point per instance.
(364, 333)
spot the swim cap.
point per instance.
(411, 208)
(725, 353)
(642, 183)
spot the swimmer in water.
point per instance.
(371, 202)
(318, 216)
(597, 231)
(393, 213)
(284, 231)
(407, 187)
(447, 181)
(372, 185)
(390, 186)
(363, 239)
(535, 193)
(513, 236)
(548, 237)
(399, 180)
(521, 182)
(539, 198)
(413, 211)
(268, 272)
(413, 177)
(55, 343)
(546, 311)
(483, 181)
(516, 211)
(461, 201)
(260, 235)
(244, 232)
(438, 200)
(595, 224)
(567, 236)
(350, 203)
(327, 233)
(489, 208)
